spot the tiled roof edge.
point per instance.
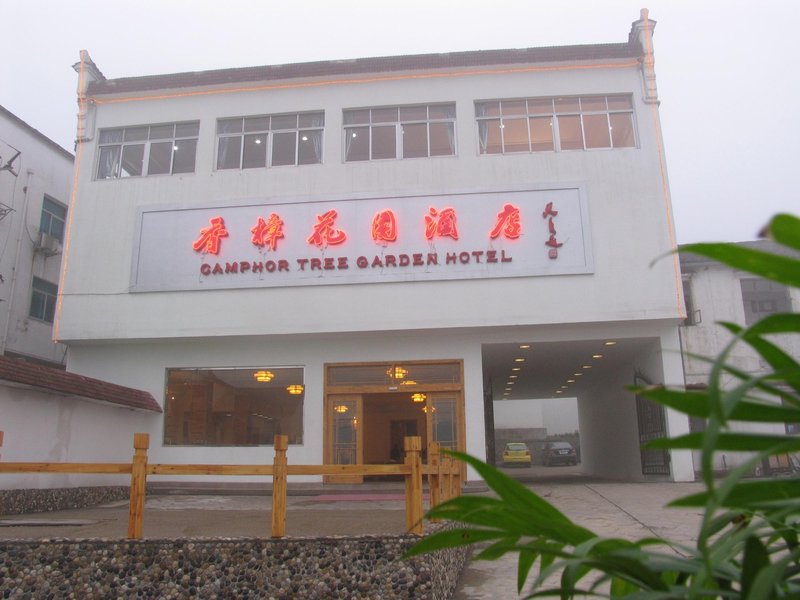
(36, 133)
(472, 58)
(71, 384)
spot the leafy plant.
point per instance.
(747, 545)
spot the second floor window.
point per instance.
(164, 149)
(43, 300)
(274, 140)
(399, 132)
(555, 124)
(54, 216)
(762, 297)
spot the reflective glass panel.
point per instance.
(622, 130)
(596, 129)
(284, 147)
(384, 143)
(229, 152)
(415, 140)
(570, 132)
(183, 156)
(442, 140)
(255, 151)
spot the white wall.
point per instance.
(41, 169)
(41, 427)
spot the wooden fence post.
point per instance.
(414, 509)
(141, 442)
(434, 475)
(279, 486)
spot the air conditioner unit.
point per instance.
(47, 244)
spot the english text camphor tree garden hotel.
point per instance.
(347, 252)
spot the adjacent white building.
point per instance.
(35, 187)
(348, 252)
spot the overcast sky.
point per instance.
(727, 72)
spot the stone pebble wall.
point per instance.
(20, 502)
(364, 567)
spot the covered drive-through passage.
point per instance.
(587, 382)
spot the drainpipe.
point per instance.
(22, 228)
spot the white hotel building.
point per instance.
(348, 252)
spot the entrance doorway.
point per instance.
(366, 421)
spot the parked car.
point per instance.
(559, 453)
(516, 453)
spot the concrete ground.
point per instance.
(630, 510)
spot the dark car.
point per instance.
(559, 453)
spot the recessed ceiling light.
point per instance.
(570, 381)
(513, 376)
(559, 392)
(586, 367)
(509, 383)
(519, 360)
(507, 390)
(609, 343)
(517, 369)
(577, 374)
(564, 387)
(524, 346)
(597, 356)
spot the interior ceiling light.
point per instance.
(340, 408)
(586, 367)
(564, 387)
(610, 343)
(577, 374)
(408, 382)
(263, 376)
(524, 346)
(396, 372)
(295, 389)
(559, 391)
(418, 397)
(570, 381)
(597, 356)
(513, 376)
(519, 360)
(425, 409)
(516, 369)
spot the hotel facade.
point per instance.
(348, 252)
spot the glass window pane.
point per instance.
(283, 147)
(414, 113)
(228, 407)
(489, 137)
(229, 126)
(442, 139)
(622, 130)
(183, 130)
(384, 144)
(136, 134)
(229, 152)
(56, 229)
(109, 136)
(284, 122)
(160, 157)
(415, 140)
(513, 107)
(593, 103)
(108, 164)
(37, 305)
(596, 129)
(184, 152)
(255, 151)
(132, 160)
(309, 150)
(256, 124)
(384, 115)
(55, 208)
(619, 103)
(316, 119)
(515, 135)
(443, 111)
(356, 117)
(162, 132)
(540, 106)
(487, 109)
(356, 143)
(541, 133)
(567, 105)
(570, 133)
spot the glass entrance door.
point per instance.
(345, 417)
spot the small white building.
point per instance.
(35, 186)
(715, 292)
(347, 252)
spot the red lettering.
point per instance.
(450, 258)
(231, 267)
(316, 264)
(218, 270)
(362, 262)
(342, 263)
(302, 262)
(491, 256)
(209, 240)
(477, 254)
(389, 260)
(205, 269)
(283, 265)
(433, 258)
(404, 260)
(418, 260)
(258, 267)
(329, 264)
(376, 262)
(270, 266)
(503, 257)
(244, 266)
(464, 257)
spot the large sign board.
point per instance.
(365, 240)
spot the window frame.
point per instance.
(48, 216)
(150, 140)
(49, 293)
(492, 110)
(269, 132)
(377, 122)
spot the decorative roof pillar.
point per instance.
(642, 31)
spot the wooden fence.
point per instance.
(444, 479)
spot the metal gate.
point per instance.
(652, 425)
